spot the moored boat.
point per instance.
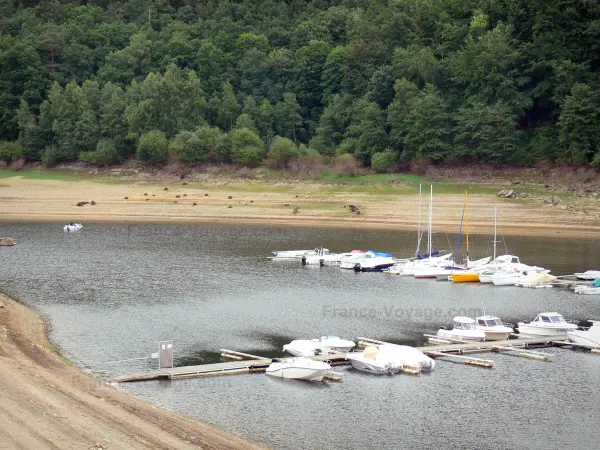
(547, 324)
(390, 359)
(312, 347)
(586, 337)
(298, 369)
(588, 275)
(295, 254)
(464, 330)
(494, 328)
(73, 226)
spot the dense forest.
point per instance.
(247, 81)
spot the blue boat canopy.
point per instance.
(596, 282)
(427, 255)
(382, 254)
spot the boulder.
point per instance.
(7, 241)
(553, 200)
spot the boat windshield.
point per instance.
(493, 323)
(557, 319)
(465, 326)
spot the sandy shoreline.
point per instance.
(47, 403)
(314, 205)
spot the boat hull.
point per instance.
(462, 277)
(462, 335)
(585, 338)
(497, 335)
(297, 373)
(554, 333)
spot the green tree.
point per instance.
(282, 151)
(153, 147)
(105, 154)
(384, 161)
(229, 108)
(247, 148)
(579, 133)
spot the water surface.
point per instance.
(112, 291)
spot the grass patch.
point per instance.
(44, 174)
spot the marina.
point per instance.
(119, 289)
(257, 364)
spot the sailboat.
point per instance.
(467, 276)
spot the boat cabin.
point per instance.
(464, 323)
(489, 321)
(550, 317)
(506, 259)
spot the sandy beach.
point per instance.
(315, 205)
(46, 403)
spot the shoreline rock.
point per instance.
(7, 241)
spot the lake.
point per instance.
(112, 291)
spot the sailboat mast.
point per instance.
(430, 219)
(495, 211)
(419, 231)
(467, 221)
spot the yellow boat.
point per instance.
(465, 277)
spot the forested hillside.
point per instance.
(498, 81)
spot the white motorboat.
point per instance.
(586, 337)
(587, 290)
(464, 330)
(297, 254)
(511, 278)
(548, 324)
(370, 261)
(390, 359)
(493, 328)
(332, 259)
(73, 226)
(312, 347)
(593, 288)
(319, 254)
(375, 262)
(541, 279)
(298, 369)
(588, 275)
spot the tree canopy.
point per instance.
(502, 82)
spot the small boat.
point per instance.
(586, 337)
(464, 330)
(548, 324)
(73, 226)
(333, 259)
(390, 359)
(312, 347)
(298, 369)
(464, 276)
(588, 275)
(588, 289)
(374, 262)
(511, 278)
(297, 254)
(493, 328)
(541, 279)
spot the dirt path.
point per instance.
(291, 204)
(47, 404)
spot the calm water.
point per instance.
(112, 291)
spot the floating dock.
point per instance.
(259, 364)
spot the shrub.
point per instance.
(383, 162)
(346, 164)
(246, 147)
(53, 154)
(10, 151)
(105, 153)
(249, 156)
(152, 147)
(282, 151)
(17, 164)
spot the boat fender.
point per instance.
(304, 260)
